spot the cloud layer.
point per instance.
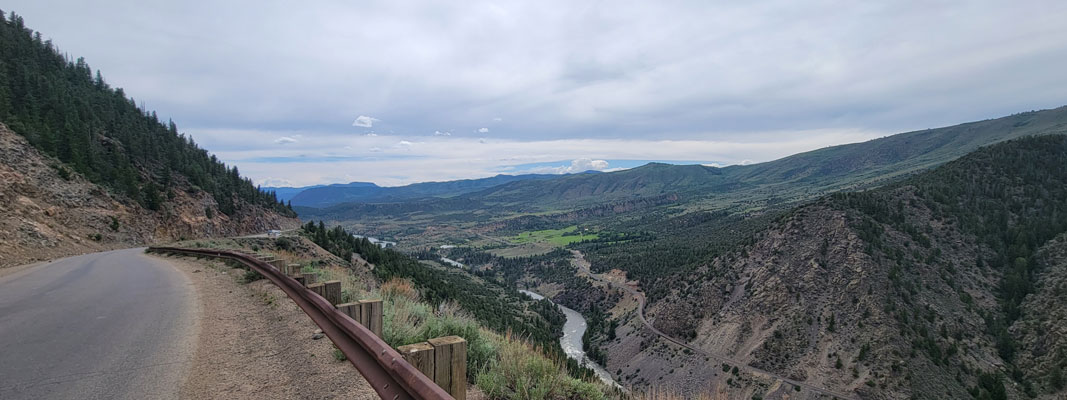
(395, 160)
(526, 79)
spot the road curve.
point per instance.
(721, 358)
(116, 325)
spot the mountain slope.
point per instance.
(854, 164)
(85, 169)
(66, 112)
(907, 291)
(791, 180)
(49, 211)
(326, 196)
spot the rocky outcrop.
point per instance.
(1042, 333)
(49, 211)
(812, 301)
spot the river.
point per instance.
(571, 341)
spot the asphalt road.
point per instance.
(111, 325)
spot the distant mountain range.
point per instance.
(287, 193)
(791, 179)
(365, 192)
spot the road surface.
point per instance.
(114, 325)
(579, 261)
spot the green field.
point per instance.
(558, 237)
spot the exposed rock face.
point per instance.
(946, 285)
(810, 302)
(48, 211)
(1041, 332)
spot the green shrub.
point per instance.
(338, 355)
(251, 276)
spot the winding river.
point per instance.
(571, 341)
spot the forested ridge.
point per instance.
(69, 112)
(1012, 197)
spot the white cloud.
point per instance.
(578, 165)
(372, 134)
(497, 119)
(396, 160)
(439, 133)
(274, 182)
(483, 130)
(365, 121)
(585, 164)
(285, 140)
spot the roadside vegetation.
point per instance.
(503, 364)
(513, 344)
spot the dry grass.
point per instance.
(521, 371)
(659, 393)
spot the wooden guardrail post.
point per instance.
(352, 310)
(450, 365)
(329, 290)
(309, 278)
(293, 269)
(318, 288)
(332, 291)
(420, 356)
(371, 315)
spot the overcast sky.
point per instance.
(298, 93)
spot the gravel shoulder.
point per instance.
(254, 343)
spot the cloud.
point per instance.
(397, 160)
(497, 119)
(364, 121)
(781, 70)
(285, 140)
(777, 66)
(577, 165)
(372, 134)
(439, 133)
(274, 182)
(585, 164)
(483, 130)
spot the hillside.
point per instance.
(363, 192)
(89, 170)
(50, 211)
(915, 290)
(795, 178)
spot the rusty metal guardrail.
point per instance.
(386, 371)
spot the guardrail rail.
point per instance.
(387, 372)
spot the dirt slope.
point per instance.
(47, 211)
